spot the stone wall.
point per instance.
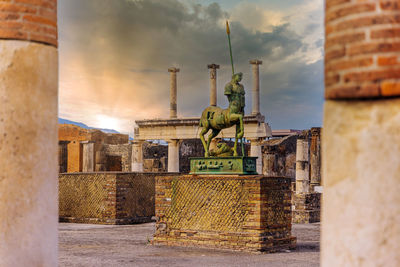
(123, 151)
(76, 134)
(279, 157)
(249, 213)
(106, 198)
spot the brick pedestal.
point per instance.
(247, 213)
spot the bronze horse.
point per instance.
(216, 118)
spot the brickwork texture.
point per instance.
(246, 213)
(31, 20)
(106, 198)
(362, 49)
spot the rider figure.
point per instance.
(235, 93)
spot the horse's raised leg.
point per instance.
(202, 133)
(213, 134)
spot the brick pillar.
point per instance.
(173, 93)
(28, 133)
(213, 83)
(361, 140)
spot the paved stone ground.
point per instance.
(128, 245)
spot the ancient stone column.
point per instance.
(88, 162)
(213, 83)
(28, 133)
(360, 139)
(315, 158)
(302, 167)
(256, 87)
(173, 155)
(137, 156)
(63, 156)
(255, 151)
(173, 93)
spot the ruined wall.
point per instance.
(155, 157)
(250, 213)
(123, 151)
(76, 134)
(106, 198)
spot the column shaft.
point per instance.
(255, 151)
(28, 135)
(137, 156)
(173, 93)
(256, 87)
(360, 140)
(213, 83)
(302, 167)
(173, 156)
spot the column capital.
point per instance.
(173, 69)
(255, 62)
(213, 66)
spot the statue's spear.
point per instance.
(228, 32)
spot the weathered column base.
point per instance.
(247, 213)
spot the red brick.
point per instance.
(366, 21)
(41, 3)
(390, 88)
(390, 5)
(12, 7)
(385, 33)
(331, 79)
(336, 53)
(387, 61)
(332, 3)
(356, 91)
(348, 10)
(373, 48)
(12, 34)
(374, 75)
(9, 16)
(10, 25)
(40, 19)
(348, 64)
(345, 39)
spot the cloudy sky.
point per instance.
(114, 56)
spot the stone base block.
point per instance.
(307, 208)
(245, 213)
(306, 216)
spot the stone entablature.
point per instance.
(188, 128)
